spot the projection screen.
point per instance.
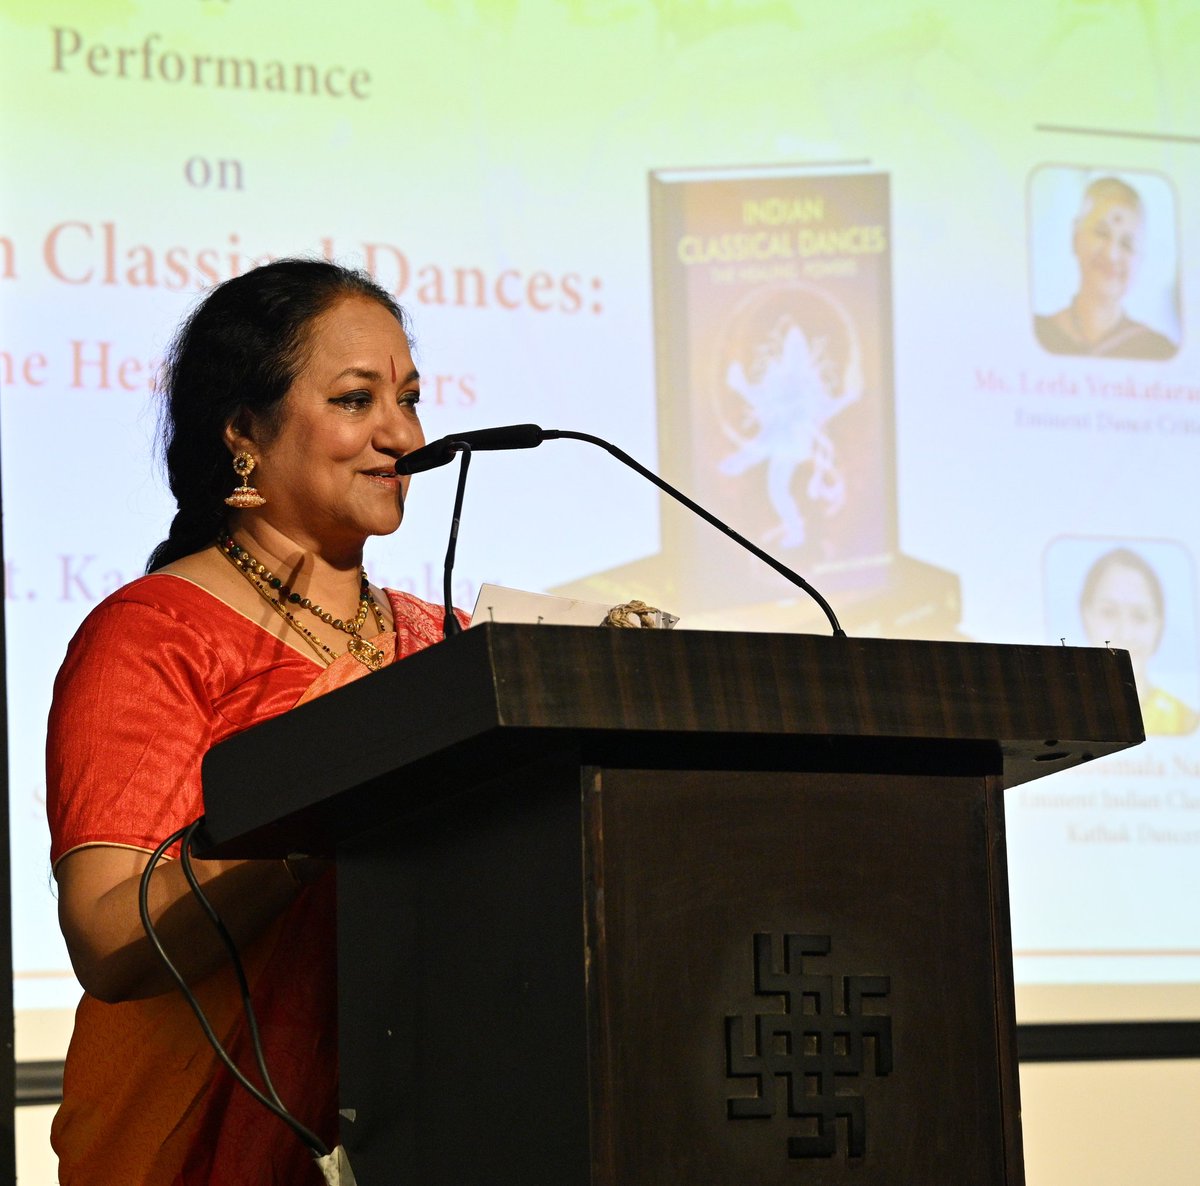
(838, 271)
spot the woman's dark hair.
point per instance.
(235, 357)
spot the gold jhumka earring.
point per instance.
(245, 495)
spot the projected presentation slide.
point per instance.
(902, 293)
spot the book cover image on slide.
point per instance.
(773, 355)
(773, 334)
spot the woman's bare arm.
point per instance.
(110, 952)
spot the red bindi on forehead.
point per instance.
(392, 360)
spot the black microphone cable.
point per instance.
(185, 860)
(781, 568)
(272, 1102)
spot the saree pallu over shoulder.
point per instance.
(415, 629)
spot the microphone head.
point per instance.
(429, 456)
(510, 436)
(440, 452)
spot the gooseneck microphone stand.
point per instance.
(529, 436)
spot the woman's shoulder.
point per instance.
(1133, 339)
(143, 644)
(159, 620)
(1164, 713)
(159, 594)
(1053, 332)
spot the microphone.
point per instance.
(431, 456)
(529, 436)
(441, 452)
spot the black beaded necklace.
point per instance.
(280, 596)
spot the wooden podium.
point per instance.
(645, 908)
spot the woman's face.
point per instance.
(1123, 613)
(1108, 246)
(328, 474)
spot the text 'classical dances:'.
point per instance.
(78, 253)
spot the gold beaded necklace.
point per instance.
(276, 594)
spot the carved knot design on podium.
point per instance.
(807, 1056)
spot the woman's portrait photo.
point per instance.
(1104, 264)
(1136, 596)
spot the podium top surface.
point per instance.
(500, 695)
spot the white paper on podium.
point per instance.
(498, 604)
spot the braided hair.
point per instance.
(233, 359)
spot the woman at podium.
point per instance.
(289, 394)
